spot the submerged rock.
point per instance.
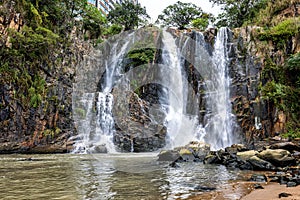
(100, 149)
(204, 188)
(258, 178)
(168, 155)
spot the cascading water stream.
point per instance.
(219, 122)
(180, 126)
(101, 139)
(219, 118)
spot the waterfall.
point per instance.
(219, 120)
(181, 58)
(96, 128)
(180, 126)
(217, 127)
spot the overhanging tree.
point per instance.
(128, 14)
(181, 14)
(236, 13)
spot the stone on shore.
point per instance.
(278, 157)
(289, 146)
(246, 155)
(260, 164)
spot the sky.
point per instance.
(155, 7)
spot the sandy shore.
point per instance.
(272, 191)
(245, 191)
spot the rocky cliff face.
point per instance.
(259, 117)
(42, 128)
(46, 128)
(133, 56)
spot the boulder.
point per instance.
(289, 146)
(186, 155)
(233, 149)
(246, 155)
(278, 157)
(258, 186)
(284, 194)
(260, 164)
(168, 155)
(258, 178)
(291, 184)
(100, 149)
(199, 149)
(212, 158)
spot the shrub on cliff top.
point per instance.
(181, 15)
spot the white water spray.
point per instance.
(219, 118)
(180, 126)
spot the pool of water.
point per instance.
(108, 176)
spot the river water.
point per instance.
(109, 176)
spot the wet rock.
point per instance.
(291, 184)
(174, 164)
(296, 155)
(289, 146)
(246, 155)
(258, 178)
(186, 155)
(274, 179)
(199, 149)
(284, 194)
(168, 155)
(100, 149)
(140, 138)
(204, 188)
(137, 129)
(260, 164)
(233, 149)
(258, 186)
(213, 158)
(278, 157)
(245, 166)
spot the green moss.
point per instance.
(36, 91)
(292, 134)
(141, 56)
(36, 14)
(281, 32)
(52, 132)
